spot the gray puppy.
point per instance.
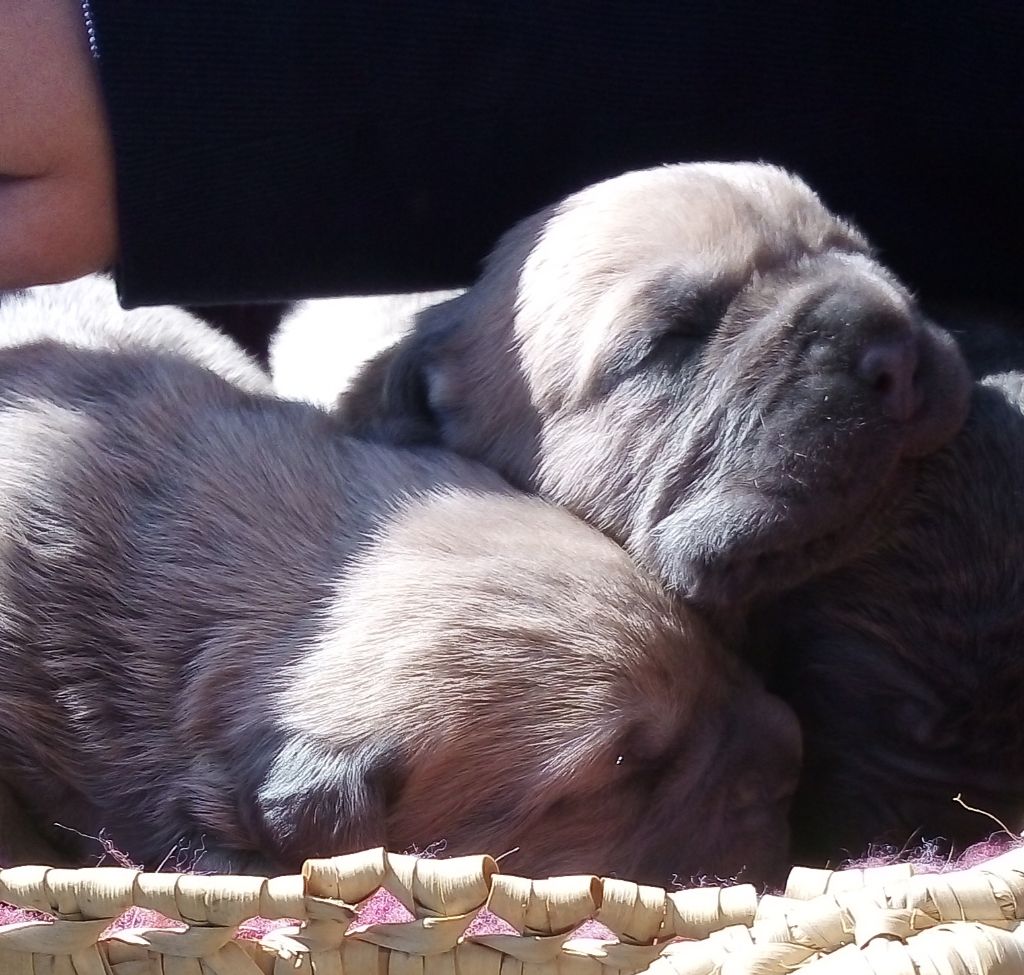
(85, 314)
(699, 360)
(906, 665)
(224, 625)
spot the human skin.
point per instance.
(57, 195)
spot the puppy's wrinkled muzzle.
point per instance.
(831, 395)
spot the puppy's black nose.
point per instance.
(889, 367)
(873, 336)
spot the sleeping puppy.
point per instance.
(699, 360)
(85, 314)
(906, 665)
(225, 625)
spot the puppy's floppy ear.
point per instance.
(390, 398)
(313, 800)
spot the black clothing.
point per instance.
(272, 151)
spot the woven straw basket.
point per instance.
(876, 922)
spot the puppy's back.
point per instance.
(85, 314)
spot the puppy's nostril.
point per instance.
(891, 371)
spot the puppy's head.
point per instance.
(536, 692)
(700, 360)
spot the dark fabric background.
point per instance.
(269, 151)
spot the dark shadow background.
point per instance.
(329, 148)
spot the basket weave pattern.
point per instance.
(870, 922)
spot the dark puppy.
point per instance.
(906, 666)
(700, 360)
(224, 625)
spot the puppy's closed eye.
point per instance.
(690, 314)
(642, 757)
(667, 335)
(678, 341)
(681, 318)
